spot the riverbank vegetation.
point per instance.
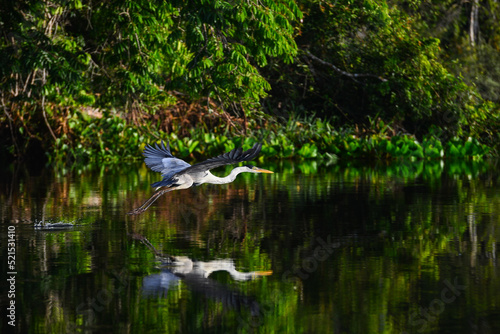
(84, 81)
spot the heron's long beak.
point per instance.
(261, 170)
(262, 273)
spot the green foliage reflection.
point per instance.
(350, 245)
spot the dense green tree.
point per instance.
(354, 62)
(59, 54)
(469, 32)
(367, 58)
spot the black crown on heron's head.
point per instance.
(249, 166)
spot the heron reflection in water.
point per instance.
(178, 174)
(195, 274)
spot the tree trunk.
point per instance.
(474, 24)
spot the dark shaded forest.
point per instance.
(83, 81)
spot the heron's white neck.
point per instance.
(228, 179)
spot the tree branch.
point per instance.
(335, 68)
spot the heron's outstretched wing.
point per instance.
(229, 158)
(160, 159)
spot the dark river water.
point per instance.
(314, 248)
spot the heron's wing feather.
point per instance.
(160, 159)
(229, 158)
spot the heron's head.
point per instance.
(253, 169)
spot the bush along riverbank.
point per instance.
(113, 139)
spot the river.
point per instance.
(406, 247)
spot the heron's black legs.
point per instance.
(148, 203)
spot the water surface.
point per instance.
(399, 248)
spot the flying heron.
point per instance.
(178, 174)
